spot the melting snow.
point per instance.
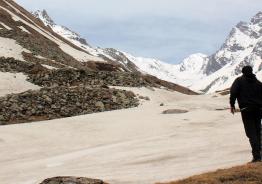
(5, 26)
(9, 48)
(77, 54)
(24, 29)
(49, 67)
(14, 83)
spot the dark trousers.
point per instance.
(252, 124)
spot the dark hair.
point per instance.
(247, 70)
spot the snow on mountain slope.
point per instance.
(216, 72)
(186, 73)
(14, 83)
(242, 47)
(154, 67)
(111, 55)
(195, 63)
(61, 30)
(198, 72)
(69, 35)
(77, 54)
(9, 48)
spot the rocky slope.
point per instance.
(110, 55)
(61, 30)
(19, 29)
(67, 76)
(59, 102)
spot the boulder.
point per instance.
(174, 111)
(72, 180)
(144, 98)
(100, 105)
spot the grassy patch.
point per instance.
(247, 174)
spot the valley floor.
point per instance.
(133, 146)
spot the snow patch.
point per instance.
(49, 67)
(24, 29)
(9, 48)
(14, 83)
(5, 26)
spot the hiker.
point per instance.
(248, 92)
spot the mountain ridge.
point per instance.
(200, 72)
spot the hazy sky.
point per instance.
(169, 30)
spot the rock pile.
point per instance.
(72, 77)
(59, 102)
(72, 180)
(16, 66)
(12, 65)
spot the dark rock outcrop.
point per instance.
(72, 180)
(174, 111)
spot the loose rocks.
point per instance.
(59, 102)
(72, 77)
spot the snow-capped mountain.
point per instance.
(110, 55)
(186, 73)
(242, 47)
(199, 72)
(37, 42)
(216, 72)
(61, 30)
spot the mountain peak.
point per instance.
(257, 19)
(194, 63)
(61, 30)
(44, 17)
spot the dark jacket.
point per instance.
(248, 92)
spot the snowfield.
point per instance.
(9, 48)
(14, 83)
(132, 146)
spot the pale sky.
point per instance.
(169, 30)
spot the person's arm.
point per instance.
(234, 91)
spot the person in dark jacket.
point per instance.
(247, 90)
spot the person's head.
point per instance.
(247, 70)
